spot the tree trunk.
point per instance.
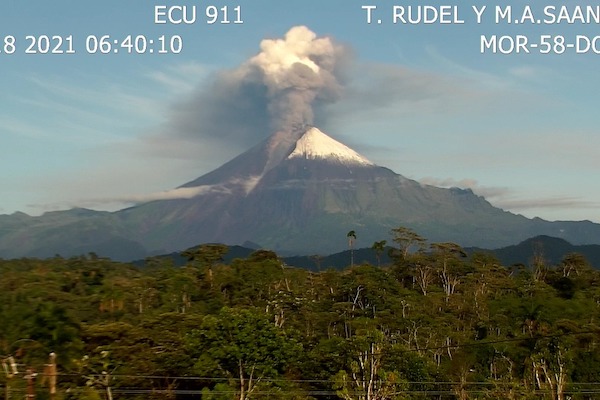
(242, 381)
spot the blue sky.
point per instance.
(100, 131)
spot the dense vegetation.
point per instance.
(434, 324)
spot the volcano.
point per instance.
(297, 192)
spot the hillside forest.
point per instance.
(435, 323)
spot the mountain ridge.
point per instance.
(551, 250)
(300, 204)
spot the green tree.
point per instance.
(206, 255)
(243, 346)
(447, 255)
(366, 376)
(406, 239)
(378, 248)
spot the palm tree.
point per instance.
(351, 238)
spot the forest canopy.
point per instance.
(435, 323)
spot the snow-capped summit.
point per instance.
(314, 144)
(307, 144)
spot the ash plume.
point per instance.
(286, 85)
(297, 71)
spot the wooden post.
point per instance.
(10, 368)
(30, 381)
(52, 375)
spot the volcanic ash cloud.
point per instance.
(284, 86)
(298, 71)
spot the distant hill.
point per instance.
(314, 262)
(551, 249)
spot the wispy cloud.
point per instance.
(481, 78)
(94, 103)
(509, 199)
(181, 78)
(18, 127)
(557, 202)
(120, 201)
(489, 192)
(103, 106)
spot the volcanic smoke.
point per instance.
(282, 88)
(298, 71)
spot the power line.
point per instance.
(509, 340)
(444, 347)
(137, 391)
(277, 380)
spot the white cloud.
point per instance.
(489, 192)
(179, 193)
(121, 201)
(512, 200)
(557, 202)
(181, 78)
